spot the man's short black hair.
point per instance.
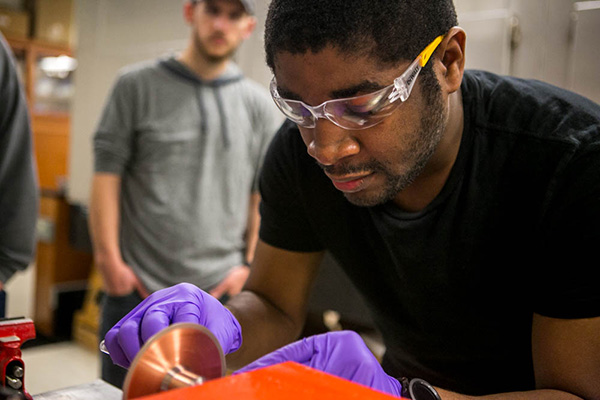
(390, 31)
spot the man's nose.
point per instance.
(221, 22)
(328, 143)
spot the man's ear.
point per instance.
(249, 28)
(452, 60)
(188, 12)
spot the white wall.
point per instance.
(525, 38)
(551, 40)
(115, 33)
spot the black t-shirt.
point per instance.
(514, 231)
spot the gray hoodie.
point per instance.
(189, 153)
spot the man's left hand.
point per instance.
(341, 353)
(233, 282)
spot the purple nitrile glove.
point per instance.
(342, 353)
(180, 303)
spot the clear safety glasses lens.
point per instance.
(361, 112)
(358, 112)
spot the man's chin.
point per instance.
(217, 57)
(362, 199)
(215, 54)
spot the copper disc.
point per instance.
(186, 345)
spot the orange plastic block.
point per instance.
(289, 381)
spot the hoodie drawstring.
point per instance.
(182, 71)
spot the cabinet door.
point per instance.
(51, 144)
(584, 60)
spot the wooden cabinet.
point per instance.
(51, 143)
(60, 267)
(50, 120)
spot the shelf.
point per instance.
(19, 45)
(49, 100)
(28, 52)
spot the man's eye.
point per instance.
(362, 111)
(211, 10)
(236, 16)
(365, 106)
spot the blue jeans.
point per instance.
(113, 309)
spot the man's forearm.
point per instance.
(264, 328)
(104, 219)
(252, 226)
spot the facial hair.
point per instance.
(201, 48)
(417, 155)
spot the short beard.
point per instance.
(211, 58)
(421, 150)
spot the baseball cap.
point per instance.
(249, 5)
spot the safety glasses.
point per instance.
(358, 112)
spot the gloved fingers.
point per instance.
(347, 344)
(187, 312)
(117, 355)
(349, 357)
(221, 322)
(347, 354)
(154, 320)
(129, 339)
(179, 303)
(226, 329)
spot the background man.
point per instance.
(19, 196)
(462, 204)
(177, 154)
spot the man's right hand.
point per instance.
(120, 280)
(181, 303)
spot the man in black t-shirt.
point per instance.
(464, 206)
